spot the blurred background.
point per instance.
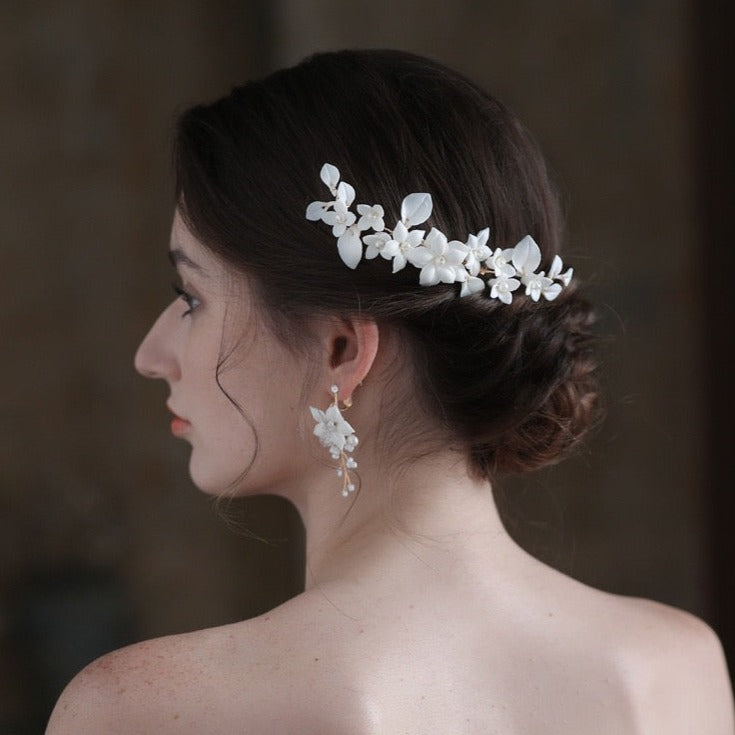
(103, 538)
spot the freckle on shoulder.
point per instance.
(100, 696)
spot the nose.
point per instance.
(156, 356)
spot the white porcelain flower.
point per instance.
(439, 260)
(557, 275)
(371, 217)
(380, 244)
(499, 263)
(339, 218)
(502, 288)
(405, 243)
(333, 431)
(477, 251)
(537, 284)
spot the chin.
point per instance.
(221, 473)
(212, 482)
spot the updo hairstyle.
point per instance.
(513, 384)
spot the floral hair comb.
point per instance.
(440, 260)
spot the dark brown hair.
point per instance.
(513, 383)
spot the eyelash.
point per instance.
(192, 302)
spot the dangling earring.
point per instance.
(338, 437)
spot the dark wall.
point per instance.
(713, 80)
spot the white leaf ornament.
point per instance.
(330, 176)
(526, 256)
(415, 209)
(349, 246)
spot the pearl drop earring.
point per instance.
(338, 437)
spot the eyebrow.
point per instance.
(179, 257)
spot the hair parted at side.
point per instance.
(515, 384)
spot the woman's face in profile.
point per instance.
(233, 387)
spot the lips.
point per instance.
(179, 426)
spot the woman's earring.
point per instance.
(338, 437)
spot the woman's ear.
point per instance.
(351, 347)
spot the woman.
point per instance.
(368, 246)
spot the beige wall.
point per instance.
(89, 475)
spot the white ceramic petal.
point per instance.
(526, 255)
(552, 292)
(390, 249)
(419, 256)
(349, 246)
(415, 209)
(415, 238)
(400, 232)
(345, 428)
(428, 276)
(436, 241)
(445, 273)
(455, 256)
(460, 274)
(315, 211)
(345, 193)
(330, 176)
(482, 237)
(556, 266)
(399, 262)
(472, 285)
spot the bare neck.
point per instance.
(433, 508)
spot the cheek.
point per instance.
(250, 428)
(224, 446)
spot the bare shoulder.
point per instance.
(131, 689)
(674, 670)
(197, 682)
(248, 676)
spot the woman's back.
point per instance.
(468, 639)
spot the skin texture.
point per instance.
(420, 614)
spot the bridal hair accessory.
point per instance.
(338, 437)
(440, 260)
